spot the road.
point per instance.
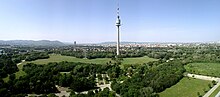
(202, 77)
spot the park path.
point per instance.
(64, 91)
(102, 86)
(20, 62)
(218, 95)
(105, 85)
(212, 90)
(202, 77)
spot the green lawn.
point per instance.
(6, 79)
(210, 69)
(59, 58)
(215, 92)
(17, 74)
(187, 87)
(138, 60)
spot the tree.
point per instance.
(52, 95)
(214, 82)
(90, 93)
(82, 84)
(12, 77)
(3, 74)
(147, 92)
(99, 76)
(104, 93)
(198, 94)
(4, 92)
(210, 86)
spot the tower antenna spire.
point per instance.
(118, 24)
(117, 7)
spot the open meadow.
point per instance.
(187, 87)
(59, 58)
(209, 69)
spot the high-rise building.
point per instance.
(118, 24)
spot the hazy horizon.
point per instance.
(94, 22)
(121, 41)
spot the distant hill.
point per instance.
(32, 43)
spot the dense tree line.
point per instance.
(51, 73)
(187, 54)
(36, 55)
(155, 52)
(99, 52)
(7, 66)
(149, 81)
(41, 79)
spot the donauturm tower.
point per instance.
(118, 24)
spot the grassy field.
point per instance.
(215, 92)
(210, 69)
(139, 60)
(187, 87)
(59, 58)
(17, 74)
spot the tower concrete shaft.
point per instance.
(118, 41)
(118, 24)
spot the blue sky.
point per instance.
(92, 21)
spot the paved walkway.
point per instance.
(63, 91)
(20, 62)
(212, 90)
(102, 86)
(202, 77)
(218, 95)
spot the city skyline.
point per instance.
(94, 22)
